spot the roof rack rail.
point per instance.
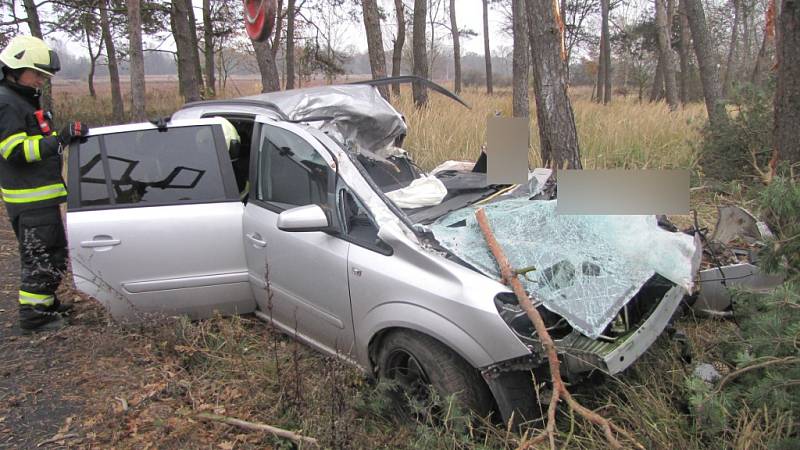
(241, 101)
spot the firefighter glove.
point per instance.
(72, 132)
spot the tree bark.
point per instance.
(276, 33)
(195, 55)
(763, 59)
(520, 103)
(717, 115)
(267, 67)
(657, 90)
(600, 83)
(290, 13)
(727, 78)
(35, 25)
(181, 30)
(117, 108)
(787, 89)
(663, 23)
(683, 52)
(399, 42)
(557, 133)
(377, 58)
(137, 61)
(208, 50)
(605, 48)
(457, 48)
(486, 53)
(92, 60)
(419, 91)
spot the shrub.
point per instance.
(741, 149)
(761, 396)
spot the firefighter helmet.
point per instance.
(28, 52)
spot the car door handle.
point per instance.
(100, 241)
(256, 239)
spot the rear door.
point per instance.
(155, 223)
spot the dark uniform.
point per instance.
(32, 188)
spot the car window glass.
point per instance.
(149, 167)
(357, 223)
(290, 171)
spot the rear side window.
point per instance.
(148, 168)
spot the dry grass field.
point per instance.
(145, 386)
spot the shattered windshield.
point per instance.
(582, 267)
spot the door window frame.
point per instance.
(262, 121)
(229, 190)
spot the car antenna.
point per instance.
(161, 123)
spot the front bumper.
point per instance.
(582, 354)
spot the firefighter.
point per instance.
(30, 178)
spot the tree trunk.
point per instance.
(137, 61)
(763, 59)
(195, 55)
(208, 50)
(397, 51)
(727, 78)
(520, 103)
(657, 91)
(744, 52)
(600, 83)
(787, 89)
(419, 91)
(605, 49)
(377, 58)
(457, 47)
(557, 133)
(117, 109)
(35, 25)
(92, 60)
(486, 53)
(181, 30)
(290, 12)
(267, 67)
(717, 115)
(276, 33)
(663, 23)
(683, 52)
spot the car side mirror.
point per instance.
(304, 218)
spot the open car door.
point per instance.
(154, 221)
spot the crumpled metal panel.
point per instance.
(360, 114)
(587, 267)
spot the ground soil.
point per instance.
(71, 387)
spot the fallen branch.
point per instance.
(559, 388)
(761, 365)
(253, 426)
(57, 438)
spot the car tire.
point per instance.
(417, 362)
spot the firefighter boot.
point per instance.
(37, 318)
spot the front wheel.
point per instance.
(417, 362)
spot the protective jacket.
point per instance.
(30, 166)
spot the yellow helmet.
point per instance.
(28, 52)
(231, 136)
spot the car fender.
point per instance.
(404, 315)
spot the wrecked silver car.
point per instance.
(341, 242)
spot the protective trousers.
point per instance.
(43, 255)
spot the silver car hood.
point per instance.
(586, 267)
(358, 114)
